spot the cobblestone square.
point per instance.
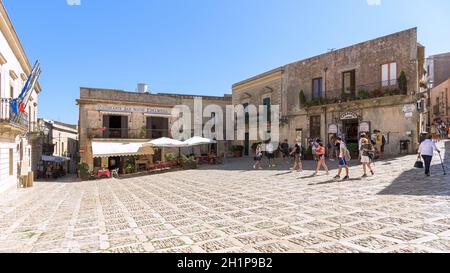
(232, 208)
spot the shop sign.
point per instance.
(333, 129)
(364, 127)
(409, 115)
(126, 109)
(349, 116)
(409, 108)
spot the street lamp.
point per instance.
(430, 86)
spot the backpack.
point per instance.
(298, 149)
(347, 155)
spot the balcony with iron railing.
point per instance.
(125, 133)
(8, 117)
(360, 92)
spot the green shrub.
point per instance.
(363, 94)
(302, 98)
(352, 147)
(403, 82)
(187, 159)
(169, 156)
(83, 167)
(377, 93)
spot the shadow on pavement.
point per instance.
(414, 181)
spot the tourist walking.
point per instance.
(332, 148)
(320, 152)
(270, 154)
(344, 158)
(434, 133)
(284, 148)
(367, 154)
(258, 157)
(297, 153)
(426, 150)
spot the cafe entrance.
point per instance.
(350, 129)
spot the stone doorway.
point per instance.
(350, 129)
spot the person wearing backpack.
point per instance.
(344, 158)
(297, 153)
(366, 154)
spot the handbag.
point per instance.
(418, 164)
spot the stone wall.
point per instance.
(91, 117)
(365, 58)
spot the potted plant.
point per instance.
(353, 149)
(189, 162)
(129, 168)
(170, 158)
(83, 171)
(237, 150)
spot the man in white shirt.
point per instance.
(426, 150)
(270, 154)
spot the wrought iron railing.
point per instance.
(8, 116)
(360, 92)
(125, 133)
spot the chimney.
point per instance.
(142, 88)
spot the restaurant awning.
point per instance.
(56, 159)
(126, 148)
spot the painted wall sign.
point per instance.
(332, 129)
(364, 127)
(125, 109)
(409, 108)
(349, 115)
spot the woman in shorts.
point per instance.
(367, 152)
(258, 157)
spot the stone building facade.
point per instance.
(440, 102)
(57, 139)
(18, 132)
(368, 86)
(118, 116)
(438, 68)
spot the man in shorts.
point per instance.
(297, 153)
(343, 164)
(270, 154)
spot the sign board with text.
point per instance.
(127, 109)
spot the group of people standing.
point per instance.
(319, 152)
(439, 131)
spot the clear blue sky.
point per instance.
(198, 46)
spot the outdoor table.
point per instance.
(202, 158)
(102, 173)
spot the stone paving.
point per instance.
(234, 209)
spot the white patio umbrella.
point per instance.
(196, 141)
(167, 143)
